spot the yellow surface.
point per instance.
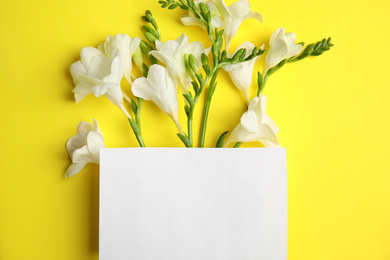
(333, 112)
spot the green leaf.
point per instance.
(221, 140)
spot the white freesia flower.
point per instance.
(234, 15)
(282, 46)
(241, 73)
(160, 88)
(171, 53)
(215, 14)
(256, 125)
(99, 75)
(127, 47)
(84, 147)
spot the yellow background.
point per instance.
(333, 112)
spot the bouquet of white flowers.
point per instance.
(192, 67)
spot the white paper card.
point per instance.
(193, 204)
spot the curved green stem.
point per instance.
(206, 110)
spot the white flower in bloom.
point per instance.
(282, 46)
(234, 15)
(215, 14)
(127, 47)
(84, 147)
(256, 125)
(171, 53)
(241, 73)
(99, 75)
(160, 88)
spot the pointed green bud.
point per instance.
(137, 58)
(150, 30)
(188, 66)
(145, 48)
(260, 83)
(185, 140)
(238, 55)
(203, 8)
(184, 7)
(224, 56)
(194, 65)
(204, 59)
(145, 70)
(173, 6)
(221, 140)
(200, 78)
(215, 52)
(195, 86)
(151, 38)
(187, 110)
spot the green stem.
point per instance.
(237, 145)
(137, 131)
(189, 122)
(206, 110)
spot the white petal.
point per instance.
(75, 168)
(114, 94)
(84, 127)
(135, 42)
(95, 127)
(75, 142)
(83, 87)
(95, 141)
(100, 67)
(83, 154)
(276, 54)
(78, 97)
(116, 70)
(277, 34)
(216, 21)
(77, 69)
(240, 8)
(256, 15)
(223, 8)
(190, 21)
(87, 54)
(255, 105)
(100, 90)
(142, 88)
(249, 121)
(267, 137)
